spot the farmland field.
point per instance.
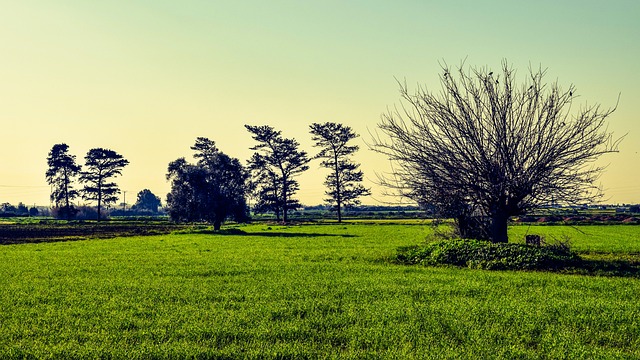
(621, 239)
(311, 291)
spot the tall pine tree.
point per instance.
(343, 181)
(60, 175)
(274, 166)
(101, 165)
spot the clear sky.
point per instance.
(146, 77)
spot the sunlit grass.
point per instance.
(312, 291)
(586, 238)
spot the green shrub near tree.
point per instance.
(480, 254)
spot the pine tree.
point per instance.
(60, 175)
(101, 165)
(274, 166)
(343, 182)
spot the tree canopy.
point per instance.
(211, 190)
(146, 200)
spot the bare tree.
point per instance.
(343, 182)
(486, 148)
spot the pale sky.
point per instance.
(145, 78)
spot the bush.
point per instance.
(88, 213)
(479, 254)
(64, 212)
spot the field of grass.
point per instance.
(620, 239)
(312, 291)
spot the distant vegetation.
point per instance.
(25, 232)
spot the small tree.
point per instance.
(8, 208)
(146, 200)
(33, 211)
(343, 182)
(101, 165)
(212, 190)
(22, 209)
(60, 175)
(488, 148)
(275, 165)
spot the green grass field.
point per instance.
(620, 239)
(313, 291)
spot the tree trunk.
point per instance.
(284, 200)
(66, 194)
(338, 186)
(217, 224)
(465, 228)
(99, 196)
(99, 205)
(498, 228)
(470, 227)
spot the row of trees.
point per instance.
(101, 165)
(217, 186)
(6, 209)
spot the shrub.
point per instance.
(64, 212)
(480, 254)
(88, 213)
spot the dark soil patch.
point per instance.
(50, 232)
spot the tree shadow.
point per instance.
(609, 267)
(238, 232)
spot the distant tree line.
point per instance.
(216, 187)
(8, 210)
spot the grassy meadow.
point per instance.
(618, 239)
(310, 291)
